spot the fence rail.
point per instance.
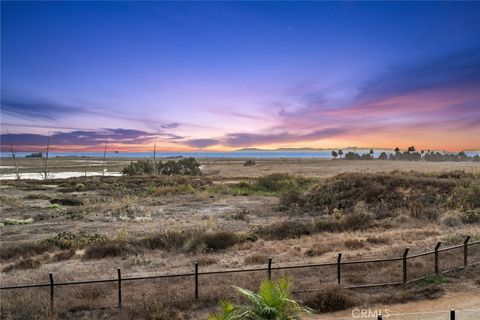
(270, 268)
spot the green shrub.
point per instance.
(139, 167)
(470, 216)
(272, 301)
(69, 240)
(468, 197)
(184, 166)
(167, 240)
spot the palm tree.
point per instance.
(334, 154)
(397, 150)
(340, 152)
(371, 152)
(273, 301)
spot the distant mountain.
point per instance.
(355, 149)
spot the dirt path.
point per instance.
(466, 304)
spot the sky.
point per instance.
(220, 76)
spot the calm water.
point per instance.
(233, 154)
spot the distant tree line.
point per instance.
(411, 154)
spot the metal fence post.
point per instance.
(405, 253)
(119, 289)
(339, 264)
(437, 246)
(452, 314)
(465, 251)
(270, 268)
(51, 293)
(196, 281)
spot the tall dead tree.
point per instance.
(45, 168)
(105, 158)
(155, 157)
(12, 150)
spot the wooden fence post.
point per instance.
(119, 289)
(452, 314)
(339, 264)
(51, 293)
(270, 268)
(437, 268)
(405, 253)
(196, 281)
(465, 251)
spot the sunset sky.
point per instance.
(224, 75)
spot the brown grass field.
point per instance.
(232, 217)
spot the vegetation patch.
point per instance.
(13, 221)
(333, 298)
(69, 240)
(23, 249)
(67, 201)
(23, 264)
(184, 166)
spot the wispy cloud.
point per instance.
(86, 138)
(38, 109)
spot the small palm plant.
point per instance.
(272, 302)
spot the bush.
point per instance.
(328, 225)
(378, 240)
(23, 249)
(357, 221)
(12, 221)
(23, 264)
(139, 167)
(468, 197)
(286, 230)
(69, 240)
(212, 241)
(452, 219)
(354, 244)
(249, 163)
(277, 182)
(256, 259)
(332, 299)
(185, 166)
(67, 201)
(108, 248)
(470, 216)
(166, 240)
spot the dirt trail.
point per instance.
(466, 304)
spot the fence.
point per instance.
(307, 278)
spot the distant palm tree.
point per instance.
(411, 149)
(371, 152)
(340, 152)
(334, 154)
(397, 150)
